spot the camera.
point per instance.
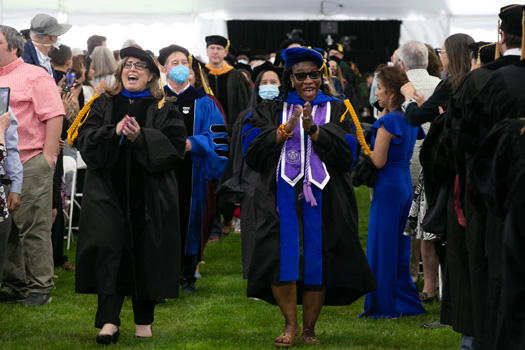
(69, 81)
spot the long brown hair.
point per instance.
(153, 85)
(392, 78)
(458, 52)
(434, 67)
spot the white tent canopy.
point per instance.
(158, 23)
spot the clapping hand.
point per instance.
(128, 127)
(308, 119)
(294, 119)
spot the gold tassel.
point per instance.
(496, 55)
(160, 104)
(523, 36)
(478, 61)
(325, 70)
(227, 46)
(358, 130)
(72, 132)
(190, 60)
(206, 88)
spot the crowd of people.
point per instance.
(176, 149)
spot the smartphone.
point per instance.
(377, 106)
(69, 81)
(4, 100)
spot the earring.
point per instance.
(390, 102)
(293, 86)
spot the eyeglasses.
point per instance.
(440, 51)
(302, 76)
(138, 65)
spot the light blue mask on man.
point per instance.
(179, 73)
(268, 92)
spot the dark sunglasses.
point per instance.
(302, 76)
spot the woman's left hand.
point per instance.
(131, 129)
(308, 120)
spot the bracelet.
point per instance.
(283, 132)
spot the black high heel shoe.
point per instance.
(107, 339)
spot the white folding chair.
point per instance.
(80, 165)
(440, 282)
(70, 167)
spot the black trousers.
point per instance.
(188, 266)
(109, 307)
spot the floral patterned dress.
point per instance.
(4, 212)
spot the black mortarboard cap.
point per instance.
(484, 51)
(511, 19)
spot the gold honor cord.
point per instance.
(358, 130)
(72, 132)
(523, 36)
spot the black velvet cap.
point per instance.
(265, 67)
(217, 40)
(141, 55)
(293, 40)
(511, 19)
(165, 52)
(335, 46)
(244, 66)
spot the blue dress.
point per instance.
(388, 250)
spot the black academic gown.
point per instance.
(439, 172)
(237, 186)
(345, 271)
(498, 172)
(129, 241)
(233, 92)
(502, 96)
(460, 132)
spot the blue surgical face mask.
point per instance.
(179, 73)
(268, 92)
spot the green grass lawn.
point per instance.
(218, 316)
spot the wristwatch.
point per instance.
(313, 129)
(405, 104)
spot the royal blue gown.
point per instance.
(388, 250)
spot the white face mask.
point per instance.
(56, 44)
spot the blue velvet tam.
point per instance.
(295, 55)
